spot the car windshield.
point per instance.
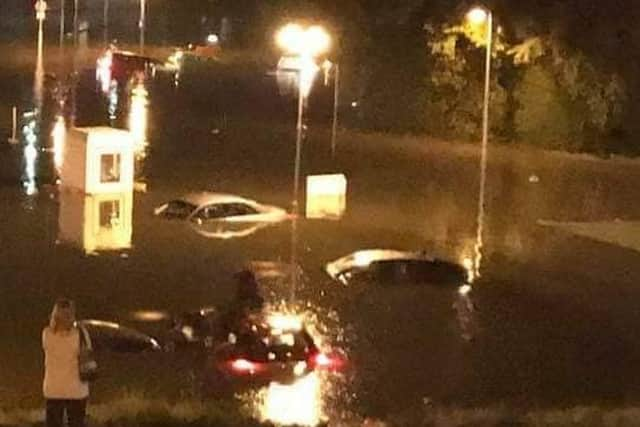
(179, 209)
(224, 210)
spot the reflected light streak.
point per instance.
(30, 157)
(138, 117)
(477, 248)
(299, 403)
(317, 396)
(113, 100)
(103, 71)
(150, 315)
(468, 265)
(307, 74)
(59, 135)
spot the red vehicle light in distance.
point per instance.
(244, 366)
(324, 361)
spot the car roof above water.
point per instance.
(207, 198)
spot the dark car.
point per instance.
(388, 267)
(266, 351)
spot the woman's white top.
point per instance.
(61, 372)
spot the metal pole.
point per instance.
(14, 127)
(61, 41)
(141, 24)
(336, 101)
(75, 24)
(105, 22)
(296, 179)
(39, 74)
(485, 141)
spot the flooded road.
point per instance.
(556, 314)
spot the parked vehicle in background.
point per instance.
(222, 216)
(387, 266)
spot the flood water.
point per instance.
(556, 314)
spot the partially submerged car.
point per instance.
(222, 216)
(388, 266)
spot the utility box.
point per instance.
(326, 196)
(98, 160)
(96, 222)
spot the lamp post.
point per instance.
(41, 11)
(142, 23)
(61, 35)
(328, 66)
(75, 25)
(483, 16)
(307, 44)
(105, 22)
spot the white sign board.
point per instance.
(326, 196)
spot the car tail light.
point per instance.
(332, 362)
(243, 366)
(321, 360)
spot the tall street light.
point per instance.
(105, 22)
(142, 22)
(481, 16)
(61, 35)
(75, 24)
(41, 10)
(307, 44)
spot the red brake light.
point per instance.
(331, 361)
(322, 360)
(243, 365)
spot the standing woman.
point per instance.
(63, 390)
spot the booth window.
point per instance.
(110, 168)
(109, 214)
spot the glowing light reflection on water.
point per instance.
(59, 135)
(315, 397)
(138, 117)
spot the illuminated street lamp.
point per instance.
(482, 16)
(307, 44)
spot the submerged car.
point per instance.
(387, 266)
(222, 215)
(272, 349)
